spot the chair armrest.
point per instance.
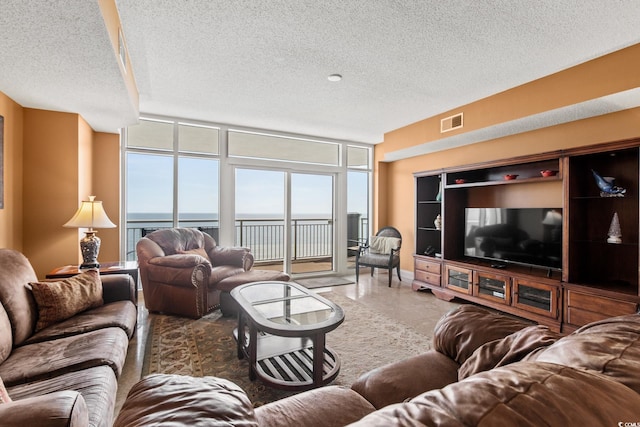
(64, 409)
(407, 378)
(193, 274)
(118, 287)
(178, 261)
(236, 256)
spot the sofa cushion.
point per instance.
(330, 406)
(98, 387)
(610, 347)
(6, 337)
(59, 409)
(197, 251)
(520, 394)
(458, 335)
(62, 299)
(15, 273)
(406, 378)
(4, 396)
(172, 240)
(120, 314)
(222, 272)
(176, 400)
(510, 349)
(48, 359)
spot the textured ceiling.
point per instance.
(265, 64)
(56, 55)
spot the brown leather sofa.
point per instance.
(184, 272)
(485, 369)
(64, 374)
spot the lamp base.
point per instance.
(88, 266)
(90, 247)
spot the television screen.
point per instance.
(528, 236)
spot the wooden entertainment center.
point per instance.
(594, 279)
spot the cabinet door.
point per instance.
(458, 279)
(536, 297)
(493, 287)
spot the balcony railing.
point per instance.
(313, 238)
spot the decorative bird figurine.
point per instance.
(607, 185)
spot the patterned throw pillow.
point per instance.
(61, 300)
(4, 396)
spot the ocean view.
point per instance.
(263, 233)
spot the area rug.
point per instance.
(367, 339)
(322, 282)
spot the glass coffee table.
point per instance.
(281, 331)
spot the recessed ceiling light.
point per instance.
(334, 77)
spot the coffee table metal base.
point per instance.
(281, 332)
(288, 363)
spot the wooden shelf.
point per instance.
(590, 264)
(504, 182)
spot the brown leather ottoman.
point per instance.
(228, 306)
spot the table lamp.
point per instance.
(90, 215)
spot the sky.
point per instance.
(150, 188)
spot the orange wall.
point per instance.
(603, 76)
(11, 214)
(106, 187)
(52, 161)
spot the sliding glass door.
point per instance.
(260, 216)
(312, 223)
(286, 219)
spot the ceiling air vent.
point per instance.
(451, 123)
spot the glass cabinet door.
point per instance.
(492, 287)
(536, 297)
(458, 279)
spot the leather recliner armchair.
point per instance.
(180, 267)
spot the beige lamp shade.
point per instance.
(90, 215)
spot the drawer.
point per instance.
(606, 307)
(428, 266)
(582, 308)
(578, 317)
(423, 276)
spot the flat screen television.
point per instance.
(525, 236)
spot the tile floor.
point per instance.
(417, 309)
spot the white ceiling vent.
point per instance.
(451, 123)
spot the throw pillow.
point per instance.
(61, 300)
(4, 396)
(196, 251)
(382, 244)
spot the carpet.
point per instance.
(322, 282)
(366, 339)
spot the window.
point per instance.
(263, 146)
(172, 173)
(177, 171)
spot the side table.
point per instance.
(114, 267)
